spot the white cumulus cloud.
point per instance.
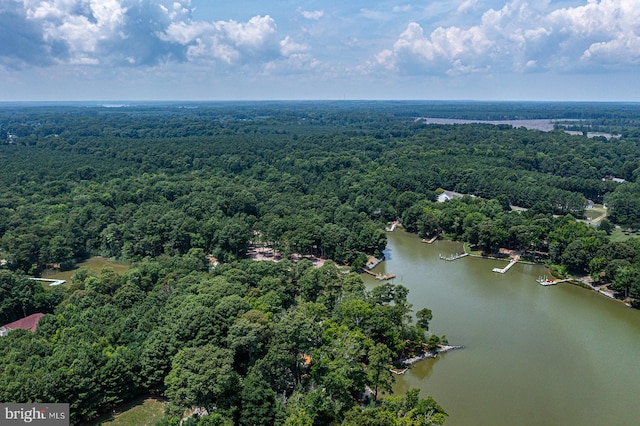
(131, 32)
(523, 37)
(233, 42)
(313, 15)
(449, 49)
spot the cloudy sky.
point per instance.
(347, 49)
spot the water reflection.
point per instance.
(533, 355)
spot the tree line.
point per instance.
(569, 246)
(313, 179)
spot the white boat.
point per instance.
(545, 281)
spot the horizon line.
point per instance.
(121, 102)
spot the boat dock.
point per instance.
(453, 257)
(385, 277)
(431, 240)
(379, 276)
(392, 227)
(546, 281)
(506, 268)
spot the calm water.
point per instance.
(534, 355)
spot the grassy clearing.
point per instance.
(619, 234)
(95, 263)
(468, 248)
(141, 412)
(598, 212)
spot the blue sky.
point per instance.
(569, 50)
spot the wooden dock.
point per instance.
(431, 240)
(544, 281)
(453, 257)
(380, 277)
(392, 227)
(506, 268)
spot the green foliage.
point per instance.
(423, 317)
(20, 297)
(149, 181)
(624, 205)
(196, 338)
(258, 402)
(627, 282)
(409, 409)
(606, 226)
(204, 377)
(260, 342)
(380, 358)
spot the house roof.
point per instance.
(26, 323)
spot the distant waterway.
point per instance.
(534, 355)
(545, 125)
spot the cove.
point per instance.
(559, 355)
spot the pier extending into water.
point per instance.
(392, 227)
(454, 257)
(546, 281)
(506, 268)
(471, 296)
(431, 240)
(381, 277)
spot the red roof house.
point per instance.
(26, 323)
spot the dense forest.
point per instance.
(252, 343)
(172, 186)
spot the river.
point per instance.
(534, 355)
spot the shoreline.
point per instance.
(408, 362)
(431, 354)
(572, 280)
(587, 285)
